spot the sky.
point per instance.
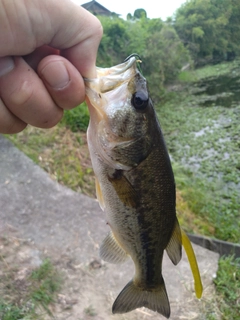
(155, 9)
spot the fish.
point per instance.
(135, 185)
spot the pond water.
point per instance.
(204, 138)
(223, 90)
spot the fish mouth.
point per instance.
(108, 86)
(113, 72)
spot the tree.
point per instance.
(156, 42)
(165, 59)
(140, 13)
(209, 28)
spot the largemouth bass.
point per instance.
(134, 184)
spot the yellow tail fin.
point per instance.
(193, 264)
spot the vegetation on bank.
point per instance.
(204, 144)
(227, 284)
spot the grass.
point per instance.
(60, 152)
(228, 287)
(30, 297)
(90, 311)
(208, 71)
(77, 119)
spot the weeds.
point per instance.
(204, 146)
(45, 282)
(60, 152)
(228, 287)
(76, 119)
(90, 311)
(208, 71)
(29, 297)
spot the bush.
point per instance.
(77, 119)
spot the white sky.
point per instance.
(154, 8)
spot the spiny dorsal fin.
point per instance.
(111, 251)
(133, 297)
(174, 247)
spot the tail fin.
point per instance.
(133, 297)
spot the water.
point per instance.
(209, 143)
(221, 91)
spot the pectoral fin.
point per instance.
(99, 194)
(111, 251)
(174, 247)
(125, 191)
(193, 264)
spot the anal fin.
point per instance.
(111, 251)
(174, 247)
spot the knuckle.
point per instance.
(51, 121)
(98, 29)
(12, 127)
(22, 94)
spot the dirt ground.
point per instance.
(89, 289)
(40, 218)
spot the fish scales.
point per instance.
(134, 183)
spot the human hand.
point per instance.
(46, 47)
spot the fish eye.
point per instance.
(139, 100)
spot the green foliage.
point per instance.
(228, 286)
(60, 152)
(39, 292)
(45, 283)
(157, 43)
(90, 311)
(12, 312)
(77, 119)
(140, 13)
(114, 41)
(210, 29)
(164, 61)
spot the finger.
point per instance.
(8, 122)
(63, 81)
(24, 94)
(59, 24)
(34, 58)
(83, 55)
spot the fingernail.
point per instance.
(56, 75)
(6, 65)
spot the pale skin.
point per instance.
(46, 48)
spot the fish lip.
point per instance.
(113, 71)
